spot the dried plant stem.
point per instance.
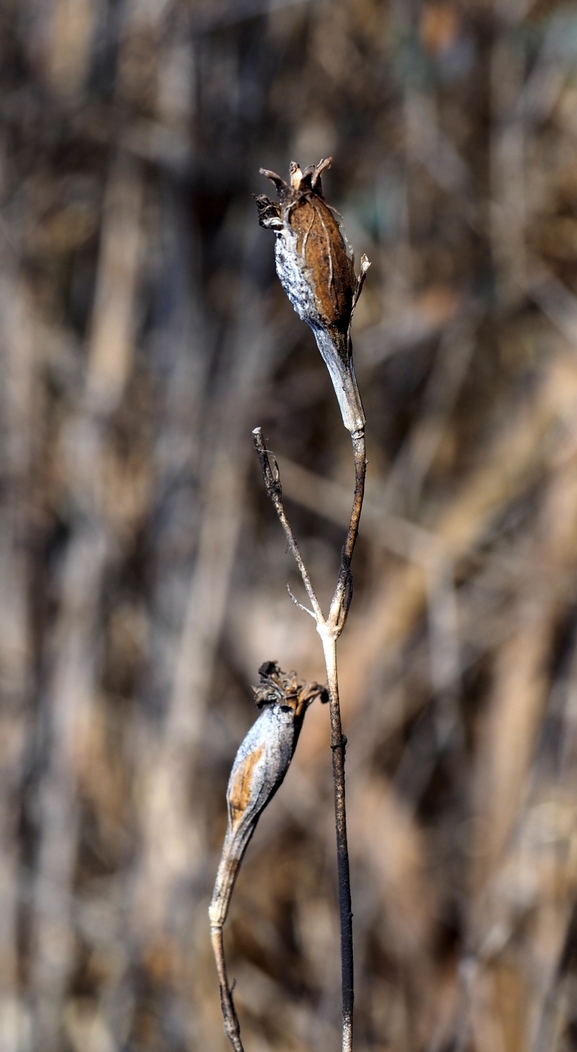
(338, 748)
(226, 878)
(231, 1024)
(329, 630)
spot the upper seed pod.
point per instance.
(314, 263)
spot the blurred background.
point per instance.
(143, 334)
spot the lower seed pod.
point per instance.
(260, 766)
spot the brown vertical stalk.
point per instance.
(338, 748)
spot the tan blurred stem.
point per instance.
(329, 629)
(231, 858)
(231, 1023)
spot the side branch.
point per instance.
(271, 477)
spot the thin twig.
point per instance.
(296, 602)
(271, 477)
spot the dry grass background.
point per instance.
(143, 335)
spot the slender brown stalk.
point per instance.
(341, 600)
(338, 749)
(231, 1023)
(339, 742)
(360, 458)
(329, 630)
(271, 477)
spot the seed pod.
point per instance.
(259, 768)
(314, 263)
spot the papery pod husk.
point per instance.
(315, 265)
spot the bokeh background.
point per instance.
(143, 334)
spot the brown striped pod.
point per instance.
(315, 266)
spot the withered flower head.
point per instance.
(276, 687)
(314, 263)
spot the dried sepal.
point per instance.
(278, 687)
(315, 265)
(269, 213)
